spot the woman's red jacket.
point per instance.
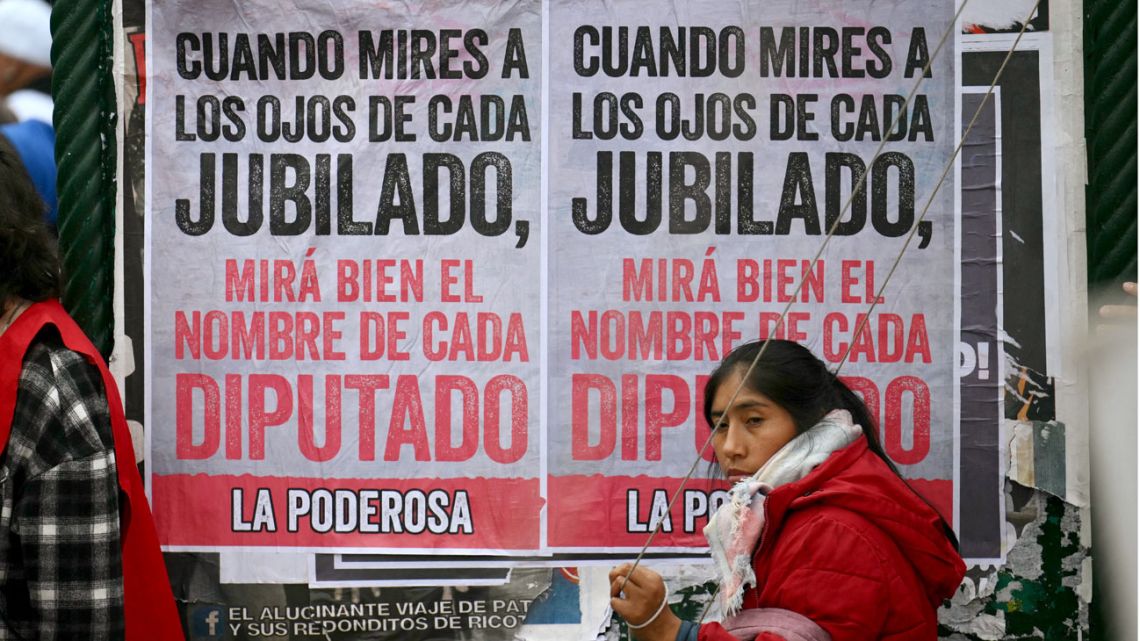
(855, 550)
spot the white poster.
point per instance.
(344, 282)
(702, 152)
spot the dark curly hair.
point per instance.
(29, 259)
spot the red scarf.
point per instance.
(148, 604)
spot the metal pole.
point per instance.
(85, 117)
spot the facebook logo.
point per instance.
(207, 622)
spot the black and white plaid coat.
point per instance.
(60, 558)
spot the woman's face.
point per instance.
(751, 432)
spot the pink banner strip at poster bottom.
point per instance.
(486, 514)
(618, 512)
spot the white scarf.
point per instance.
(734, 530)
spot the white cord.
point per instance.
(660, 609)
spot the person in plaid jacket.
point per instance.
(78, 554)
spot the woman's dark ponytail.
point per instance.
(850, 401)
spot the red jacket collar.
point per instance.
(785, 496)
(857, 480)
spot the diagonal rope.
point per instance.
(925, 209)
(860, 182)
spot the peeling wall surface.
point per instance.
(1021, 355)
(1043, 588)
(1037, 593)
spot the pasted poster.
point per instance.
(344, 282)
(702, 151)
(450, 278)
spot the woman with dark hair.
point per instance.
(79, 558)
(820, 537)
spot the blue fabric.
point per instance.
(34, 140)
(688, 631)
